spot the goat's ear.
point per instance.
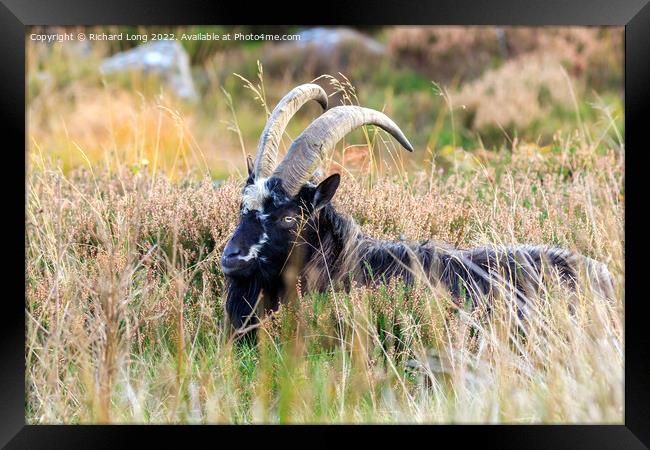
(326, 190)
(249, 166)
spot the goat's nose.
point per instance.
(231, 251)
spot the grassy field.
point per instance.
(132, 197)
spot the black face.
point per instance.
(270, 224)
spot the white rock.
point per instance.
(165, 58)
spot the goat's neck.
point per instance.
(327, 239)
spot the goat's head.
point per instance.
(278, 201)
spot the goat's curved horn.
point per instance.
(267, 148)
(321, 136)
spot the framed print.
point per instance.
(406, 214)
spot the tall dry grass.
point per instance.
(124, 300)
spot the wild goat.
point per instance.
(289, 230)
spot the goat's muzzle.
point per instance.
(233, 261)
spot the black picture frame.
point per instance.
(634, 15)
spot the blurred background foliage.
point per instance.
(457, 92)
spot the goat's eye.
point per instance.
(288, 219)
